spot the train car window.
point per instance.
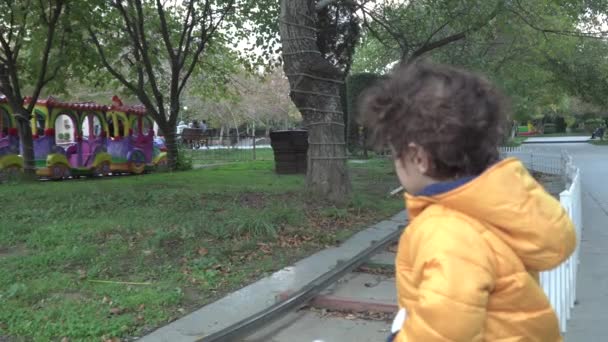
(39, 124)
(121, 128)
(112, 130)
(110, 126)
(91, 126)
(64, 129)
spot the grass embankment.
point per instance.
(117, 257)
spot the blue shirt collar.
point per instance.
(443, 187)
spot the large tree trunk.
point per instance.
(27, 145)
(171, 144)
(315, 89)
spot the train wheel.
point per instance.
(137, 165)
(162, 163)
(103, 169)
(59, 171)
(137, 168)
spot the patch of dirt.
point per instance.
(15, 251)
(192, 298)
(10, 339)
(252, 200)
(256, 200)
(172, 246)
(368, 315)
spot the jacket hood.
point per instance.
(513, 206)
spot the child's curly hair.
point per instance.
(456, 116)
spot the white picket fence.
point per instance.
(550, 163)
(560, 283)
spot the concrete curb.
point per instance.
(263, 293)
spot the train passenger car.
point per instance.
(70, 139)
(82, 139)
(131, 140)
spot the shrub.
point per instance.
(549, 129)
(592, 124)
(356, 84)
(184, 159)
(560, 124)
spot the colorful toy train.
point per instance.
(82, 139)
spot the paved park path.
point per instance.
(589, 320)
(557, 140)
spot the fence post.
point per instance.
(532, 162)
(560, 283)
(253, 145)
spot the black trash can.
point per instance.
(290, 151)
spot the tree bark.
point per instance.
(27, 144)
(171, 144)
(315, 90)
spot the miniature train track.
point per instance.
(302, 297)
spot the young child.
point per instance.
(480, 228)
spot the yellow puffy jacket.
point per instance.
(467, 265)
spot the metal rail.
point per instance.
(299, 298)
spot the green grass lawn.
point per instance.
(218, 156)
(598, 142)
(516, 141)
(118, 257)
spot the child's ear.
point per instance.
(420, 158)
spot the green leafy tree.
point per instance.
(33, 36)
(153, 48)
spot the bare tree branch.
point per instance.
(20, 34)
(400, 39)
(164, 32)
(205, 35)
(597, 35)
(146, 57)
(186, 35)
(52, 23)
(455, 37)
(189, 39)
(437, 44)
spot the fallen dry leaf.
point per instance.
(116, 311)
(265, 248)
(82, 274)
(203, 251)
(65, 339)
(141, 307)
